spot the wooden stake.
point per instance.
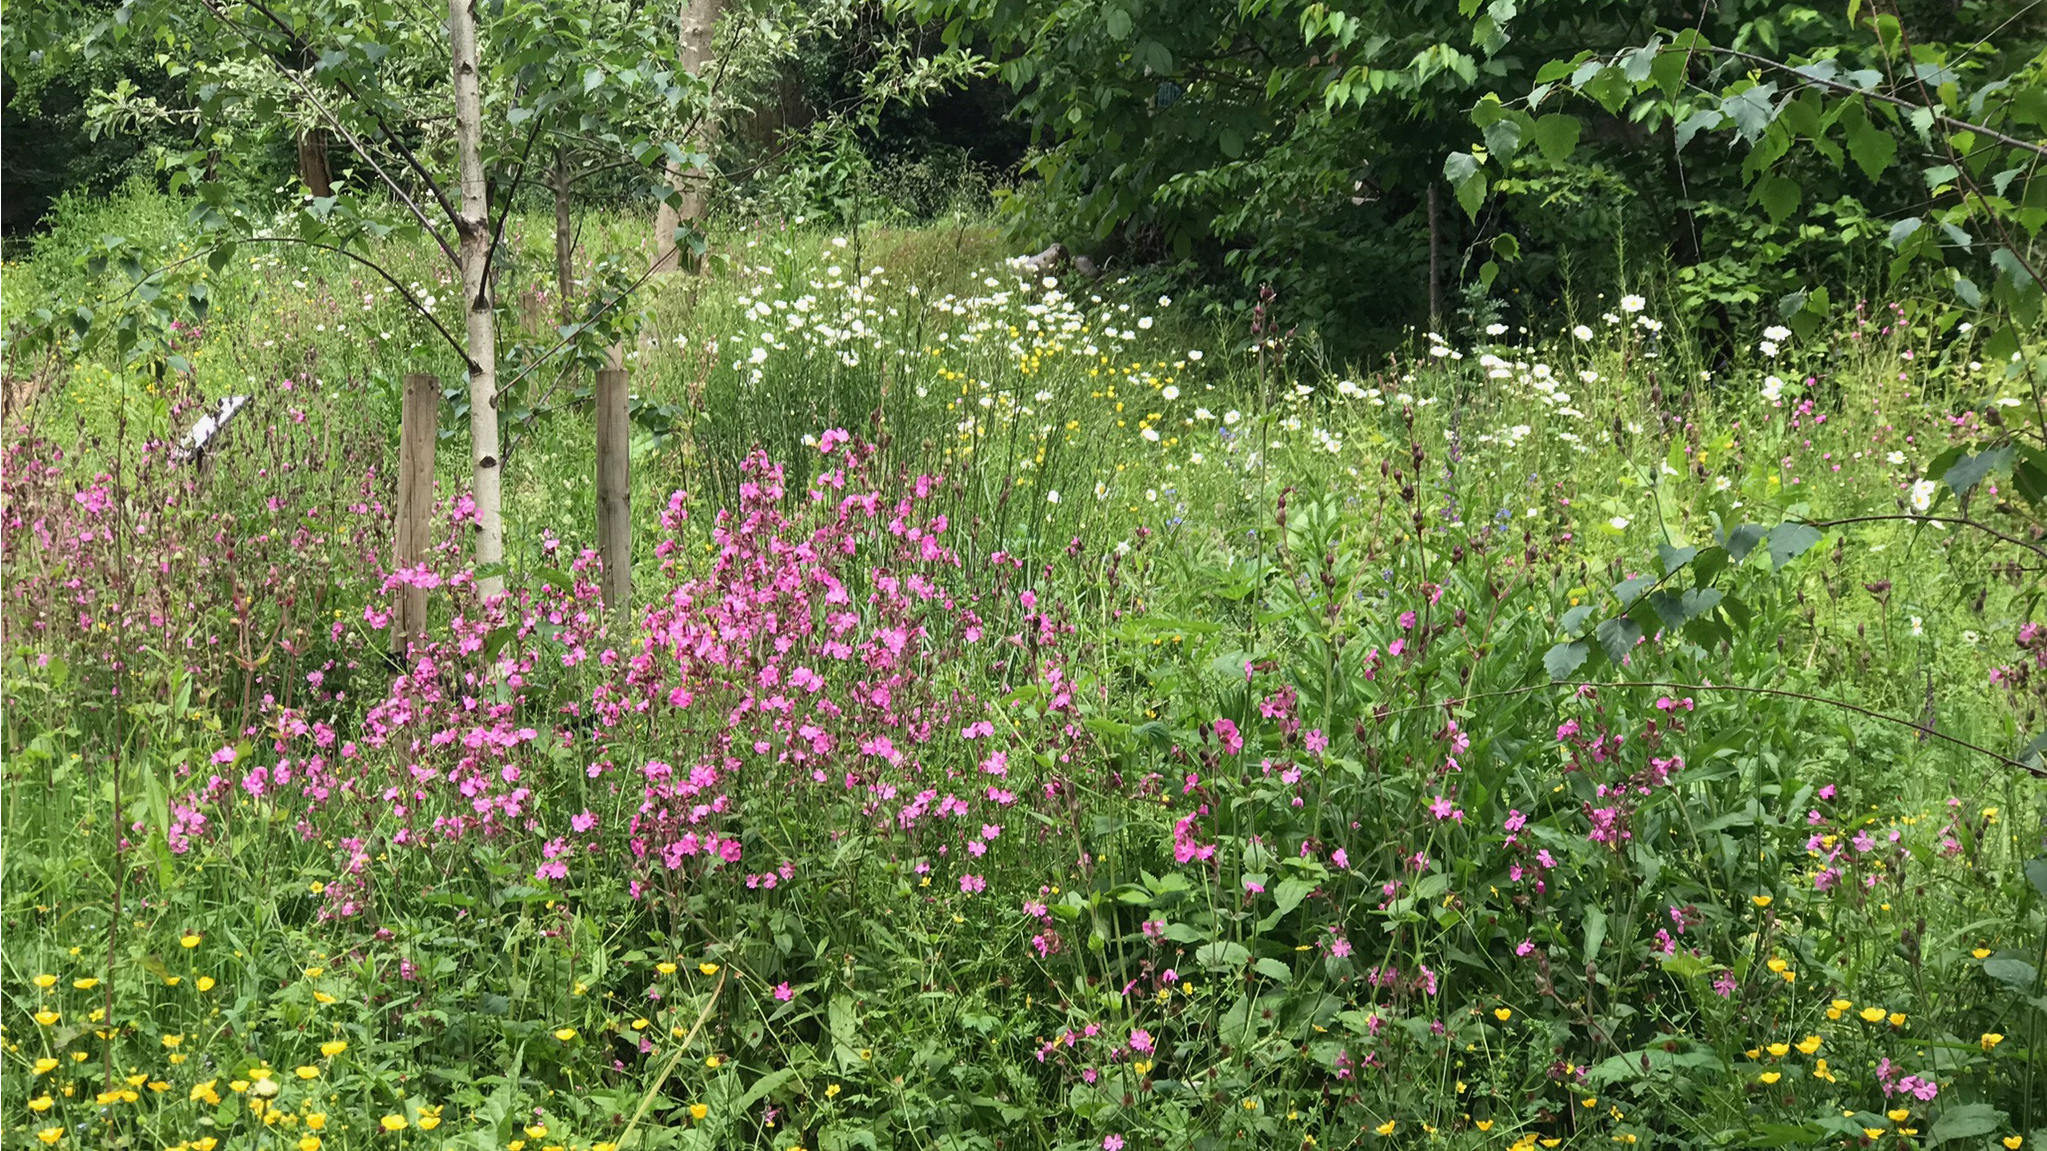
(418, 422)
(614, 510)
(1435, 265)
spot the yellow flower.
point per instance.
(207, 1143)
(1898, 1114)
(50, 1135)
(317, 1120)
(41, 1103)
(665, 968)
(189, 941)
(832, 1092)
(1760, 900)
(206, 983)
(86, 984)
(1503, 1013)
(537, 1131)
(333, 1047)
(394, 1122)
(48, 981)
(708, 968)
(1779, 1050)
(173, 1040)
(697, 1111)
(1872, 1133)
(1897, 1019)
(1872, 1014)
(1777, 964)
(45, 1065)
(323, 998)
(315, 972)
(1385, 1128)
(429, 1118)
(1770, 1076)
(714, 1062)
(306, 1072)
(1841, 1004)
(2013, 1141)
(309, 1143)
(640, 1024)
(46, 1017)
(1809, 1044)
(1981, 953)
(1484, 1125)
(1991, 1039)
(317, 888)
(565, 1034)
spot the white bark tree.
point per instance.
(694, 40)
(472, 224)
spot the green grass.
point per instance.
(1217, 665)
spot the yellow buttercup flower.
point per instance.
(1771, 1076)
(41, 1104)
(565, 1034)
(1385, 1128)
(1898, 1114)
(46, 1017)
(708, 968)
(45, 1065)
(1897, 1019)
(698, 1111)
(306, 1072)
(2013, 1141)
(1991, 1039)
(206, 983)
(309, 1143)
(1761, 900)
(1779, 1050)
(537, 1131)
(394, 1122)
(86, 984)
(48, 981)
(50, 1135)
(333, 1047)
(1872, 1014)
(1981, 953)
(1809, 1044)
(665, 968)
(1503, 1013)
(189, 941)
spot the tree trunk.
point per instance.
(614, 510)
(314, 168)
(474, 225)
(694, 40)
(564, 241)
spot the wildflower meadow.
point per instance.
(1046, 718)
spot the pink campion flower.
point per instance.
(1443, 809)
(1566, 730)
(1317, 742)
(1396, 647)
(1112, 1143)
(1340, 858)
(1524, 948)
(224, 756)
(1724, 985)
(1232, 740)
(583, 821)
(783, 992)
(973, 884)
(1252, 887)
(1140, 1040)
(832, 438)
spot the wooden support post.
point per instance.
(419, 422)
(614, 511)
(1435, 264)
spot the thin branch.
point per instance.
(1984, 528)
(1781, 693)
(1940, 118)
(333, 121)
(564, 341)
(460, 349)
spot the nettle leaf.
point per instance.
(1872, 148)
(1789, 541)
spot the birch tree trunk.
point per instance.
(694, 40)
(473, 223)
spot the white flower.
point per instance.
(1777, 333)
(1496, 329)
(1767, 348)
(1582, 332)
(1922, 495)
(1144, 322)
(1633, 304)
(1151, 434)
(1052, 497)
(1895, 459)
(1618, 523)
(758, 356)
(1170, 391)
(1165, 301)
(1232, 416)
(1722, 483)
(1195, 355)
(1918, 626)
(1773, 388)
(1203, 414)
